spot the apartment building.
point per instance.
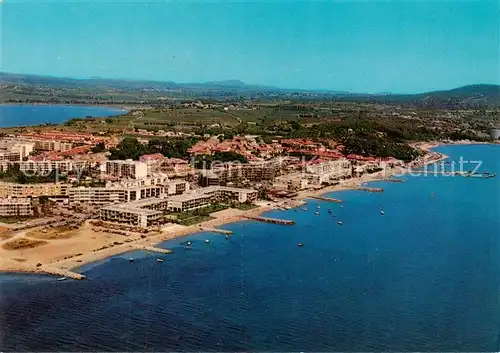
(131, 216)
(15, 150)
(209, 195)
(141, 213)
(127, 169)
(208, 178)
(52, 145)
(15, 207)
(46, 167)
(237, 172)
(321, 172)
(33, 190)
(100, 196)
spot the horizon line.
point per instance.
(312, 90)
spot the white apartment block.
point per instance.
(142, 213)
(100, 196)
(127, 169)
(15, 207)
(209, 195)
(15, 150)
(328, 171)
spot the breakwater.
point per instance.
(329, 199)
(270, 220)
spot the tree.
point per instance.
(98, 148)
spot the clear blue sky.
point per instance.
(363, 46)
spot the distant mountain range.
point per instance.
(14, 85)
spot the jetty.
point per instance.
(370, 189)
(62, 272)
(154, 249)
(270, 220)
(394, 180)
(329, 199)
(215, 230)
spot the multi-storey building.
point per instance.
(14, 150)
(52, 145)
(210, 195)
(127, 169)
(319, 173)
(33, 190)
(236, 172)
(16, 207)
(131, 216)
(100, 196)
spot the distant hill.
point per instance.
(36, 86)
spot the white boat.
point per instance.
(316, 213)
(207, 241)
(382, 212)
(188, 243)
(62, 279)
(159, 260)
(340, 223)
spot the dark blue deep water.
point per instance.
(33, 114)
(423, 277)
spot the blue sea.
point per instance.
(34, 114)
(423, 277)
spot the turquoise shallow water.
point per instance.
(33, 114)
(423, 277)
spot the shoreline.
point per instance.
(228, 216)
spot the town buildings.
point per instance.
(15, 207)
(126, 169)
(14, 150)
(209, 195)
(33, 190)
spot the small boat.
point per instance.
(329, 211)
(131, 259)
(382, 212)
(316, 213)
(318, 207)
(305, 209)
(227, 237)
(62, 279)
(339, 223)
(159, 260)
(300, 245)
(207, 241)
(188, 243)
(341, 206)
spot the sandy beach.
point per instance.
(85, 245)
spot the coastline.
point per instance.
(172, 231)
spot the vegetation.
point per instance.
(14, 175)
(23, 243)
(131, 148)
(100, 147)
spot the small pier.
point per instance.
(329, 199)
(270, 220)
(62, 272)
(215, 230)
(394, 180)
(154, 249)
(370, 189)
